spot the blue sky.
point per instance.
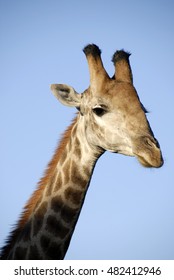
(128, 212)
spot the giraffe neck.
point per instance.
(47, 225)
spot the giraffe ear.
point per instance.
(66, 95)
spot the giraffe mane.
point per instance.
(34, 199)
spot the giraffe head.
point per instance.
(113, 116)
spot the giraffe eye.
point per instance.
(99, 111)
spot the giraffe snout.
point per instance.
(148, 152)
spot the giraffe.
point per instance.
(111, 118)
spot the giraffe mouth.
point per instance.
(157, 163)
(143, 162)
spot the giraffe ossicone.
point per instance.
(111, 118)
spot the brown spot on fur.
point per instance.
(27, 232)
(73, 195)
(42, 209)
(34, 254)
(20, 253)
(54, 252)
(76, 177)
(77, 149)
(68, 214)
(37, 224)
(86, 171)
(38, 218)
(44, 242)
(56, 203)
(58, 184)
(63, 157)
(55, 227)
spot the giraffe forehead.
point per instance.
(118, 94)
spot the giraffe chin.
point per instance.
(145, 163)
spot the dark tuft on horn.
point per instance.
(92, 49)
(120, 55)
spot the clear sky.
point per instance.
(129, 210)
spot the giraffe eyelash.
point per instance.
(99, 110)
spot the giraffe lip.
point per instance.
(143, 162)
(157, 163)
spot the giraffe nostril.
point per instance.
(150, 142)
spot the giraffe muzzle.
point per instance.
(148, 152)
